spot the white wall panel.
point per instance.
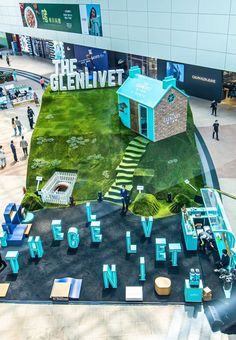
(187, 22)
(120, 5)
(159, 5)
(233, 7)
(231, 48)
(138, 33)
(163, 51)
(232, 24)
(187, 55)
(118, 18)
(137, 5)
(159, 20)
(212, 42)
(214, 6)
(210, 59)
(184, 39)
(230, 64)
(121, 45)
(137, 19)
(159, 36)
(185, 6)
(119, 32)
(138, 47)
(213, 23)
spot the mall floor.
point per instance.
(88, 321)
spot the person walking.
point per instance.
(8, 60)
(14, 75)
(3, 162)
(13, 123)
(13, 149)
(30, 114)
(36, 99)
(214, 107)
(24, 146)
(19, 125)
(215, 130)
(42, 83)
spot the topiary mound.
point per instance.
(32, 202)
(145, 205)
(179, 201)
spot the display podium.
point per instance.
(193, 294)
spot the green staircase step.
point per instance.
(142, 140)
(126, 166)
(132, 155)
(138, 145)
(126, 170)
(122, 175)
(135, 150)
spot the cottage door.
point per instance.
(134, 116)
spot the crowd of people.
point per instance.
(18, 130)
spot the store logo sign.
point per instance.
(66, 77)
(205, 79)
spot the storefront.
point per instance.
(196, 81)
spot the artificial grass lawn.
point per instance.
(91, 116)
(99, 143)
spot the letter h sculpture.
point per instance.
(35, 246)
(109, 276)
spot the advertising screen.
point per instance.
(57, 17)
(94, 59)
(85, 19)
(176, 70)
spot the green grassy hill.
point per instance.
(81, 131)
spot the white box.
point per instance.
(133, 293)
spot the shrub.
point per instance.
(145, 205)
(32, 202)
(179, 201)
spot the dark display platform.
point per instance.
(35, 278)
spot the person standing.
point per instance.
(13, 123)
(24, 146)
(30, 114)
(124, 199)
(42, 83)
(14, 75)
(215, 130)
(8, 60)
(19, 125)
(3, 162)
(214, 107)
(13, 149)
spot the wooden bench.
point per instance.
(27, 230)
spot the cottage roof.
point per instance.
(145, 90)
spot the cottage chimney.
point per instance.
(134, 71)
(168, 81)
